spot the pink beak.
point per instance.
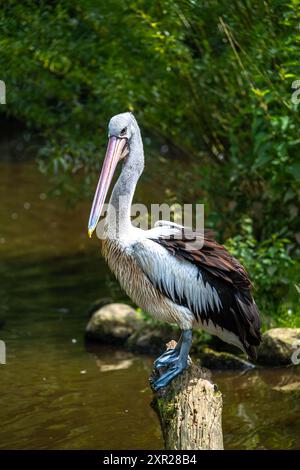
(116, 150)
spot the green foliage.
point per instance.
(269, 265)
(211, 79)
(288, 316)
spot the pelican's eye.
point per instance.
(123, 131)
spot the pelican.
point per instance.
(203, 288)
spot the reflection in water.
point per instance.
(116, 365)
(55, 393)
(259, 412)
(59, 393)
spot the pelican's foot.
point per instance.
(176, 359)
(167, 358)
(177, 368)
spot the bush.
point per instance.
(212, 81)
(270, 267)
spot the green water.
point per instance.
(59, 393)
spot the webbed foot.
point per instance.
(169, 357)
(177, 360)
(177, 368)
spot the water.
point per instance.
(261, 408)
(58, 392)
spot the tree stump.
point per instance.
(190, 410)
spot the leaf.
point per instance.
(294, 170)
(260, 93)
(284, 122)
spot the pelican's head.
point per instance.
(121, 126)
(121, 129)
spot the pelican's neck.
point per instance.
(118, 215)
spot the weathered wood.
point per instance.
(190, 410)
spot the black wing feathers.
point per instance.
(224, 272)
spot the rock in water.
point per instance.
(113, 323)
(150, 339)
(222, 360)
(278, 346)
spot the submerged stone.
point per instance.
(113, 323)
(279, 347)
(222, 360)
(151, 339)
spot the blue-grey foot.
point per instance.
(169, 356)
(167, 359)
(177, 368)
(180, 364)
